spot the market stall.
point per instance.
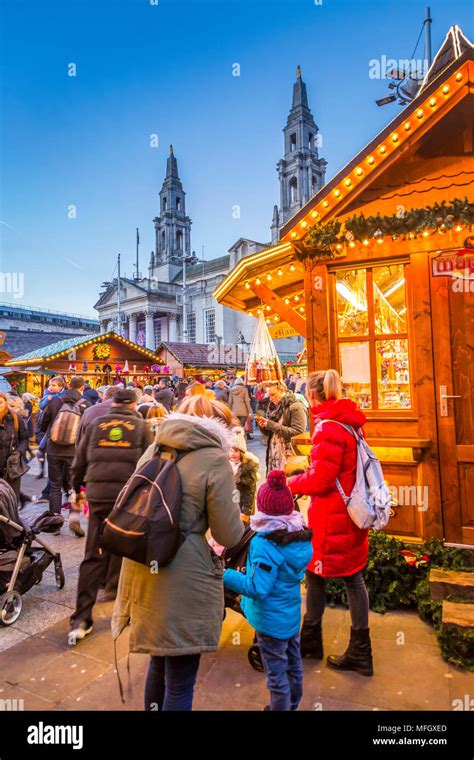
(99, 359)
(193, 360)
(377, 272)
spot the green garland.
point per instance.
(393, 584)
(322, 239)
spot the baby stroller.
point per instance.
(22, 563)
(236, 559)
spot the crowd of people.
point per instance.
(93, 440)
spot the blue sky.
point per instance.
(167, 69)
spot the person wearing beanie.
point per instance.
(245, 466)
(271, 588)
(106, 456)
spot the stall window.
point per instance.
(372, 336)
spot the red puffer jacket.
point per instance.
(339, 546)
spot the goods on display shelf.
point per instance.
(263, 364)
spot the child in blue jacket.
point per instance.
(271, 588)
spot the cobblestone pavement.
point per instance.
(39, 669)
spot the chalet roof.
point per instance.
(18, 342)
(194, 354)
(454, 46)
(65, 345)
(344, 184)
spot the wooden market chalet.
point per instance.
(100, 359)
(376, 271)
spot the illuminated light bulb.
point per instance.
(380, 240)
(407, 126)
(280, 273)
(267, 321)
(276, 318)
(287, 301)
(395, 137)
(458, 77)
(267, 308)
(292, 267)
(301, 309)
(458, 228)
(293, 234)
(314, 214)
(269, 277)
(419, 113)
(445, 89)
(432, 102)
(383, 149)
(326, 204)
(337, 193)
(247, 285)
(259, 311)
(338, 246)
(352, 244)
(258, 281)
(365, 242)
(371, 160)
(411, 236)
(425, 233)
(348, 183)
(359, 171)
(304, 223)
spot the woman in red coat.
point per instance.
(340, 548)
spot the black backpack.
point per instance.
(144, 523)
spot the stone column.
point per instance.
(132, 327)
(173, 328)
(149, 331)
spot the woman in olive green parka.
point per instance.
(176, 614)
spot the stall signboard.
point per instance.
(458, 264)
(283, 330)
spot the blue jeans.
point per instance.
(170, 683)
(283, 669)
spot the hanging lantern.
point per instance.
(263, 364)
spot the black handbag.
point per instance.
(15, 466)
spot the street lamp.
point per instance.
(188, 258)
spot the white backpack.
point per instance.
(370, 502)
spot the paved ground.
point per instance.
(38, 667)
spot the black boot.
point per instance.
(358, 655)
(312, 641)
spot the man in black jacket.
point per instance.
(106, 457)
(164, 395)
(60, 456)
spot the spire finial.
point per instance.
(298, 72)
(171, 149)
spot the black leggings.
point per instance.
(357, 597)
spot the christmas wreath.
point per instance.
(101, 351)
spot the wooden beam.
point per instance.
(451, 583)
(286, 313)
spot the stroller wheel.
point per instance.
(255, 658)
(59, 575)
(10, 607)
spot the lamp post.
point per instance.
(188, 258)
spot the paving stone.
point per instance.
(25, 699)
(10, 636)
(37, 614)
(64, 676)
(21, 661)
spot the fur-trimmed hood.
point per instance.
(186, 433)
